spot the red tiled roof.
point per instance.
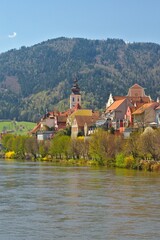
(133, 109)
(145, 99)
(115, 98)
(115, 105)
(135, 86)
(144, 107)
(36, 128)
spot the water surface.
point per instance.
(39, 201)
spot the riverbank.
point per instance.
(141, 165)
(139, 152)
(144, 165)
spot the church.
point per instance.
(133, 110)
(80, 120)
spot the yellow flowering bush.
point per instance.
(10, 155)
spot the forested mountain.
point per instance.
(39, 78)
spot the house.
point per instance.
(145, 115)
(116, 112)
(81, 112)
(119, 109)
(129, 117)
(44, 135)
(49, 124)
(84, 125)
(80, 118)
(136, 94)
(60, 122)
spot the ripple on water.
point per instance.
(40, 201)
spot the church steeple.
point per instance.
(75, 89)
(75, 97)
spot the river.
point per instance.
(39, 201)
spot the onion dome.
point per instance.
(75, 89)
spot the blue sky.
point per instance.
(27, 22)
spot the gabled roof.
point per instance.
(115, 98)
(135, 107)
(133, 99)
(82, 112)
(89, 120)
(137, 91)
(70, 111)
(115, 105)
(135, 86)
(145, 99)
(132, 109)
(36, 128)
(145, 107)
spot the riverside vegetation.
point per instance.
(139, 151)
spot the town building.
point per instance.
(145, 115)
(124, 111)
(54, 121)
(75, 97)
(83, 122)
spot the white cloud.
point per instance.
(12, 35)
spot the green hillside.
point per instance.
(38, 78)
(18, 128)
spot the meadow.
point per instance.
(18, 128)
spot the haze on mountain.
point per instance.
(39, 78)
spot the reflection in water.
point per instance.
(40, 201)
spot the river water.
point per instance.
(39, 201)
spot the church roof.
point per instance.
(135, 86)
(145, 99)
(75, 89)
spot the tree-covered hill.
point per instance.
(33, 79)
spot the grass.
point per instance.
(18, 128)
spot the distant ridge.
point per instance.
(38, 78)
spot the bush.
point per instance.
(120, 160)
(10, 155)
(129, 162)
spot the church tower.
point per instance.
(75, 97)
